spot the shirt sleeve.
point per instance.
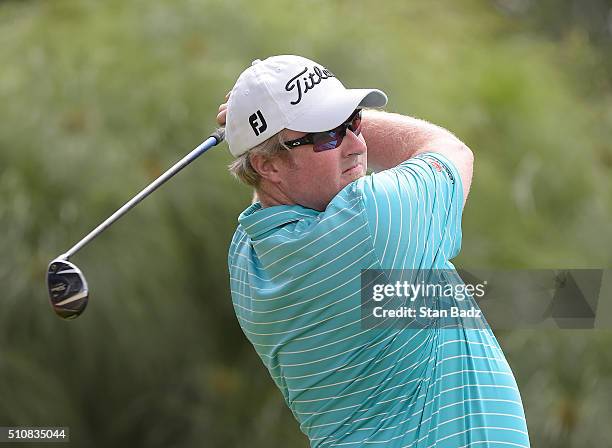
(414, 212)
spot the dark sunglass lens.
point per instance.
(325, 141)
(356, 121)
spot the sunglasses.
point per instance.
(326, 140)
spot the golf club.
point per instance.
(66, 284)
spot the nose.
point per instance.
(352, 144)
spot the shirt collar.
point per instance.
(257, 221)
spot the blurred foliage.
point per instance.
(98, 98)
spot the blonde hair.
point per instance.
(241, 167)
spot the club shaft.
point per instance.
(211, 141)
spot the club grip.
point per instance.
(219, 135)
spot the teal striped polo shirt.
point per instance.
(295, 284)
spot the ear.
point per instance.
(269, 168)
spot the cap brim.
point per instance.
(335, 109)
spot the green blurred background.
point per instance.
(98, 97)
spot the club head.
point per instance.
(68, 291)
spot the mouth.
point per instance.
(353, 169)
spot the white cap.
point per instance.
(289, 92)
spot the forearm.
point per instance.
(392, 138)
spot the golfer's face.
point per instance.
(314, 178)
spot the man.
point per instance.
(302, 141)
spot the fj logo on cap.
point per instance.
(258, 123)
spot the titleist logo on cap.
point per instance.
(311, 79)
